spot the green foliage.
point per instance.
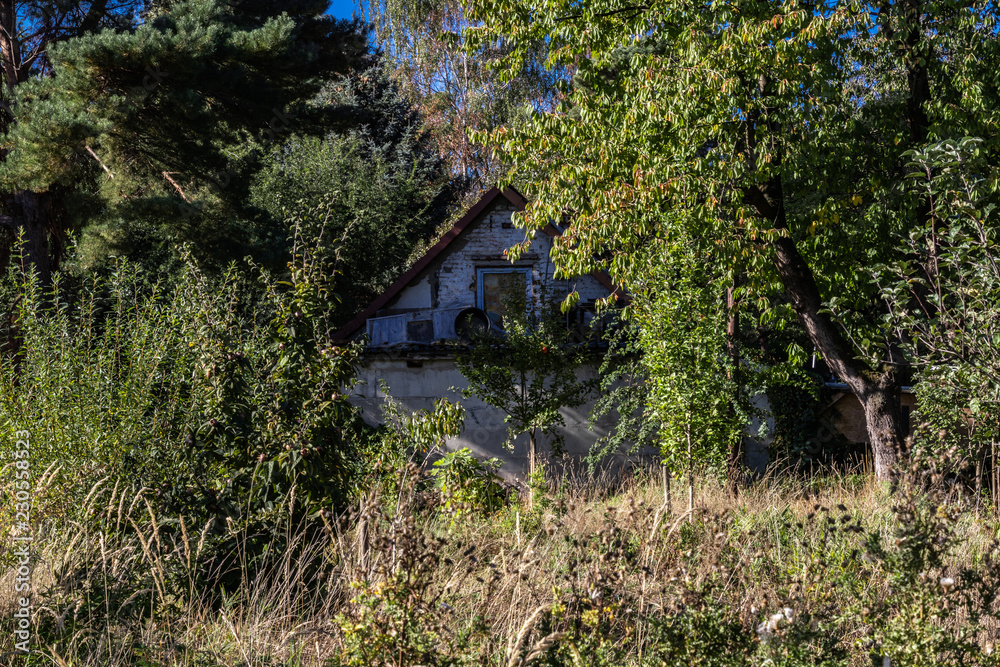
(467, 484)
(530, 372)
(945, 292)
(142, 122)
(386, 190)
(801, 434)
(408, 437)
(784, 578)
(403, 615)
(223, 410)
(699, 406)
(913, 623)
(623, 396)
(774, 134)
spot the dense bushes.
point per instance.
(217, 403)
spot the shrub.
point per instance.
(218, 406)
(467, 484)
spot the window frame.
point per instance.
(528, 282)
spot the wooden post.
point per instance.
(735, 463)
(980, 466)
(666, 490)
(995, 478)
(690, 471)
(531, 469)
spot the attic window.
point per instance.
(496, 288)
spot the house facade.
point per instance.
(416, 328)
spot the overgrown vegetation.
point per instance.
(199, 194)
(528, 369)
(846, 574)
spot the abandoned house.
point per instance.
(415, 328)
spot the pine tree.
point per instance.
(143, 120)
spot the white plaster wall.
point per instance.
(485, 429)
(755, 447)
(451, 282)
(416, 296)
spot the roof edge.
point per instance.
(347, 331)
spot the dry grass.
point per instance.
(397, 582)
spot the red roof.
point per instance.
(473, 214)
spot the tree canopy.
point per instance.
(453, 86)
(385, 189)
(775, 132)
(139, 119)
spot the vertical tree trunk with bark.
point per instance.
(690, 467)
(532, 452)
(884, 422)
(34, 213)
(877, 390)
(36, 225)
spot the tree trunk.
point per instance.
(34, 220)
(666, 490)
(532, 451)
(37, 215)
(10, 47)
(531, 469)
(690, 468)
(884, 421)
(878, 391)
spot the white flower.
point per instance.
(768, 628)
(765, 633)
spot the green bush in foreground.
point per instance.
(219, 406)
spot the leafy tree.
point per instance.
(529, 372)
(695, 397)
(778, 131)
(944, 298)
(387, 189)
(452, 86)
(138, 121)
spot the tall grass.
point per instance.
(842, 573)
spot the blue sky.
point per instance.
(342, 9)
